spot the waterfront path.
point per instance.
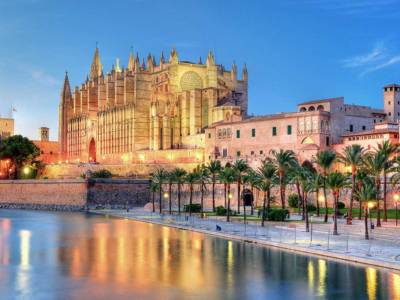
(382, 250)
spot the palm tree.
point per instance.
(251, 178)
(266, 177)
(295, 175)
(214, 167)
(365, 195)
(240, 166)
(178, 175)
(336, 182)
(160, 176)
(282, 160)
(192, 178)
(387, 149)
(228, 176)
(170, 179)
(352, 156)
(374, 164)
(316, 184)
(362, 178)
(204, 177)
(153, 190)
(324, 159)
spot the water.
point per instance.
(46, 255)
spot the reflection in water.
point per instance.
(102, 258)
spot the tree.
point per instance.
(325, 159)
(374, 164)
(266, 178)
(192, 178)
(170, 179)
(240, 166)
(366, 195)
(153, 190)
(159, 177)
(178, 175)
(316, 184)
(20, 150)
(283, 160)
(214, 167)
(352, 156)
(251, 178)
(388, 150)
(336, 182)
(228, 176)
(362, 178)
(204, 177)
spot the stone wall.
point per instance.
(73, 193)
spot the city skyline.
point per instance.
(350, 53)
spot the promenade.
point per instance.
(381, 250)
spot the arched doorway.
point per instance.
(247, 197)
(92, 150)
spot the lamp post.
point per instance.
(370, 206)
(396, 198)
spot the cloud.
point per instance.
(44, 78)
(391, 61)
(376, 54)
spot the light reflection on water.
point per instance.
(76, 256)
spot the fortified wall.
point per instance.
(73, 194)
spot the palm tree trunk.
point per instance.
(378, 208)
(306, 214)
(366, 222)
(152, 200)
(252, 199)
(263, 211)
(317, 196)
(190, 199)
(384, 196)
(359, 184)
(282, 190)
(179, 198)
(300, 202)
(326, 202)
(353, 186)
(225, 195)
(160, 200)
(335, 214)
(228, 212)
(238, 196)
(268, 202)
(213, 194)
(201, 197)
(170, 199)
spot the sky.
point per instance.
(295, 50)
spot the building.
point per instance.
(147, 111)
(49, 150)
(6, 127)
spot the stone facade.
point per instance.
(146, 107)
(6, 127)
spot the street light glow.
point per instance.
(26, 170)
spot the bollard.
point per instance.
(311, 232)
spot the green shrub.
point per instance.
(293, 200)
(103, 173)
(195, 208)
(311, 207)
(278, 214)
(341, 205)
(221, 211)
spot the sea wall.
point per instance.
(72, 194)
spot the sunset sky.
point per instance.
(295, 50)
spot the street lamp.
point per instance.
(165, 195)
(371, 205)
(26, 170)
(396, 198)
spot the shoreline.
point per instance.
(326, 254)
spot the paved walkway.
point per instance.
(382, 250)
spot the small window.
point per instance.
(224, 152)
(289, 129)
(363, 128)
(389, 102)
(261, 152)
(209, 135)
(327, 141)
(274, 131)
(252, 152)
(237, 153)
(238, 134)
(351, 128)
(253, 132)
(389, 114)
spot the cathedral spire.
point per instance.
(66, 89)
(200, 61)
(244, 73)
(137, 63)
(131, 64)
(173, 58)
(162, 60)
(210, 59)
(234, 72)
(117, 66)
(96, 68)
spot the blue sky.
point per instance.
(295, 50)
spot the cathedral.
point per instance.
(147, 108)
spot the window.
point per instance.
(363, 128)
(274, 131)
(351, 128)
(327, 140)
(252, 152)
(224, 152)
(209, 135)
(289, 129)
(253, 132)
(389, 102)
(238, 134)
(389, 113)
(238, 153)
(261, 152)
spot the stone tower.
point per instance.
(391, 98)
(65, 107)
(44, 134)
